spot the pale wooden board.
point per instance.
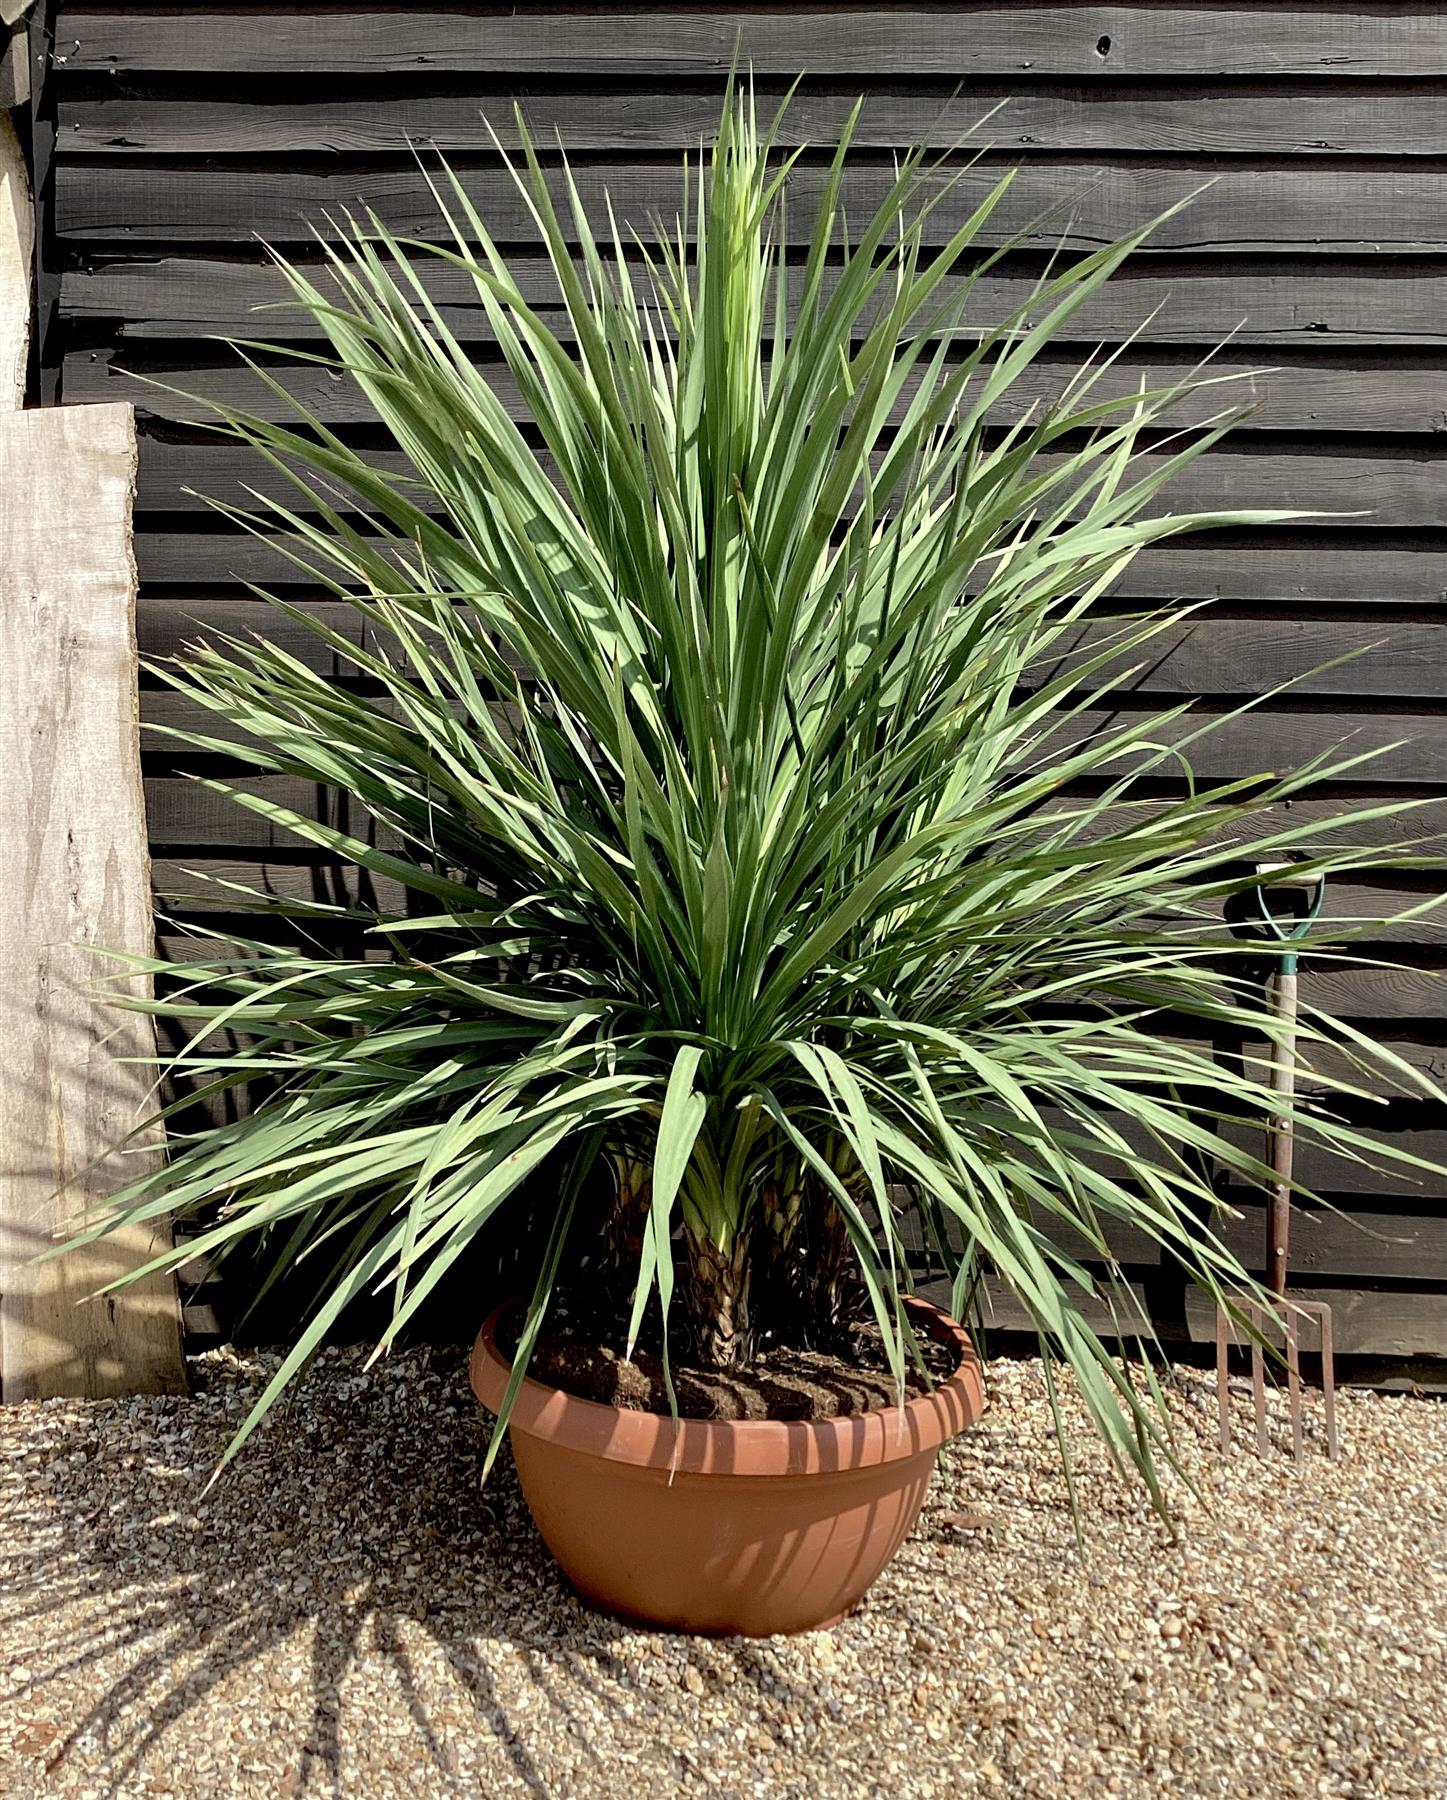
(74, 875)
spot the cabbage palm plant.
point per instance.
(731, 733)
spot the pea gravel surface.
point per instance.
(345, 1614)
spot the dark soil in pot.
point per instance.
(783, 1382)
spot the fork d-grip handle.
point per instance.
(1283, 1085)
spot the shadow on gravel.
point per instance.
(353, 1525)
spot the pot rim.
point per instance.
(743, 1447)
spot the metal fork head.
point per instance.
(1293, 1312)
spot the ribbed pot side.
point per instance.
(725, 1527)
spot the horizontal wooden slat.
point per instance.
(196, 887)
(1180, 301)
(1414, 825)
(1209, 656)
(1292, 207)
(638, 41)
(1128, 1243)
(1325, 1173)
(214, 884)
(1396, 993)
(1365, 1323)
(1408, 746)
(1248, 656)
(1001, 1311)
(1408, 1040)
(1400, 995)
(1323, 394)
(1371, 1246)
(181, 813)
(1423, 1191)
(1343, 118)
(1404, 488)
(165, 626)
(1327, 569)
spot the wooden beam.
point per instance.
(1351, 658)
(973, 38)
(1367, 1245)
(1366, 1322)
(1402, 746)
(1227, 119)
(1001, 1311)
(1267, 300)
(74, 878)
(1400, 488)
(1328, 567)
(17, 243)
(1305, 208)
(1326, 392)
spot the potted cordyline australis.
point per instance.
(767, 872)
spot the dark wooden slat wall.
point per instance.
(1318, 246)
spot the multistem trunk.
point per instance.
(718, 1302)
(827, 1267)
(626, 1223)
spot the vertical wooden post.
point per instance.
(74, 875)
(17, 247)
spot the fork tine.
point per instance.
(1258, 1382)
(1224, 1326)
(1328, 1384)
(1293, 1381)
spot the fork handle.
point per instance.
(1283, 1085)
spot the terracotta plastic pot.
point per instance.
(726, 1527)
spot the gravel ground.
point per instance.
(346, 1616)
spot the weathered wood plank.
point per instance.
(1208, 656)
(1380, 993)
(1292, 207)
(1406, 487)
(1001, 1311)
(1128, 1243)
(187, 821)
(17, 244)
(1319, 1169)
(1400, 994)
(1249, 656)
(166, 626)
(1404, 746)
(1230, 120)
(1327, 393)
(1365, 1323)
(1339, 1177)
(1275, 301)
(1370, 1246)
(1322, 568)
(193, 888)
(74, 879)
(966, 39)
(1416, 825)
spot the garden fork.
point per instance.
(1280, 1143)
